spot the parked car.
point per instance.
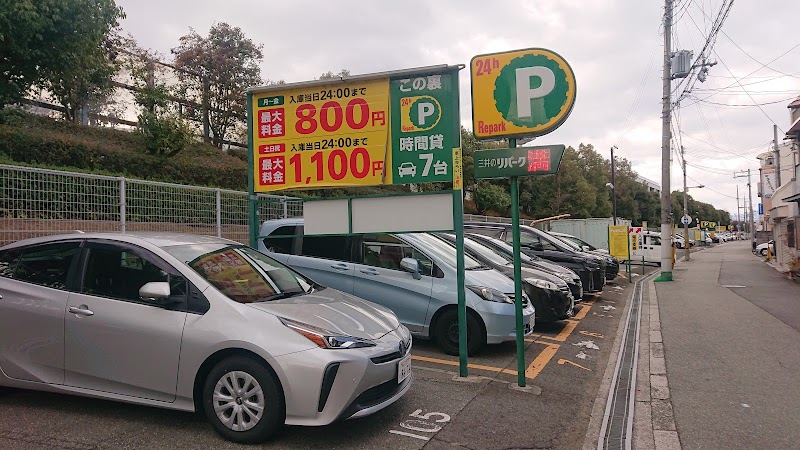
(591, 268)
(571, 278)
(549, 294)
(680, 242)
(412, 274)
(194, 323)
(762, 249)
(612, 264)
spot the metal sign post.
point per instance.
(527, 92)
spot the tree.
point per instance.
(228, 63)
(328, 75)
(489, 196)
(62, 45)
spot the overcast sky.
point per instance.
(615, 48)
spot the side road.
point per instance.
(721, 346)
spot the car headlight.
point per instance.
(324, 338)
(543, 284)
(492, 295)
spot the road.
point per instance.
(564, 364)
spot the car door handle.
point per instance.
(81, 310)
(340, 266)
(369, 271)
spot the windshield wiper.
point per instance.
(478, 268)
(282, 295)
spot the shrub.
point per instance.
(164, 135)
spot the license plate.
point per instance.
(404, 368)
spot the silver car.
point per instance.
(196, 324)
(413, 274)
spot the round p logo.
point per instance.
(419, 113)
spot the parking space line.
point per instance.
(455, 363)
(541, 361)
(582, 313)
(403, 433)
(565, 332)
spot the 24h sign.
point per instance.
(520, 93)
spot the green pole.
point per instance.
(520, 326)
(252, 199)
(458, 225)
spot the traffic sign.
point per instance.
(391, 128)
(527, 92)
(635, 230)
(518, 161)
(686, 220)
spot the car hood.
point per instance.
(528, 272)
(490, 278)
(335, 311)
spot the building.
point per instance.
(768, 180)
(651, 185)
(784, 211)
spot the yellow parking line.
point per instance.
(541, 361)
(582, 313)
(565, 332)
(471, 366)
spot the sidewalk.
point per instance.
(720, 365)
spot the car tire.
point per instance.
(445, 333)
(235, 419)
(763, 252)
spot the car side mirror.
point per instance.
(155, 292)
(411, 265)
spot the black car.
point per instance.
(612, 263)
(591, 269)
(550, 295)
(505, 249)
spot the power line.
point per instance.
(712, 190)
(699, 100)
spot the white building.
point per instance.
(652, 186)
(784, 213)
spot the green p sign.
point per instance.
(519, 161)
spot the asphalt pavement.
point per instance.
(565, 362)
(731, 340)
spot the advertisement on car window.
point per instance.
(233, 275)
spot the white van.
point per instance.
(649, 247)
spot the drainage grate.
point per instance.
(617, 430)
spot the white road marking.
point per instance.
(608, 307)
(582, 355)
(403, 433)
(587, 344)
(733, 286)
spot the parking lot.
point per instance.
(565, 362)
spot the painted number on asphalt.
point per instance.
(422, 423)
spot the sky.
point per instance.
(615, 48)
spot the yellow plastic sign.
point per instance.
(458, 169)
(322, 136)
(520, 93)
(618, 241)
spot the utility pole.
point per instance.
(777, 158)
(613, 186)
(685, 208)
(666, 137)
(750, 195)
(738, 218)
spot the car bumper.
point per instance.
(551, 305)
(501, 322)
(365, 381)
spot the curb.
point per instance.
(654, 420)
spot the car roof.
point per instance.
(158, 239)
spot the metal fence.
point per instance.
(39, 202)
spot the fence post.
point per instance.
(219, 213)
(122, 205)
(285, 208)
(206, 120)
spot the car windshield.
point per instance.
(241, 273)
(505, 249)
(447, 253)
(482, 251)
(571, 242)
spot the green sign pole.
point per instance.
(252, 198)
(520, 327)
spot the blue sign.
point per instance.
(760, 209)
